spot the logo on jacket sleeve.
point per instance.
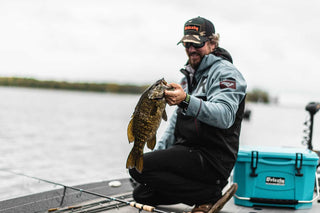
(228, 84)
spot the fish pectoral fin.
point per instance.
(130, 132)
(152, 142)
(164, 115)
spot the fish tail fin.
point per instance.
(135, 161)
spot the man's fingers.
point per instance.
(174, 96)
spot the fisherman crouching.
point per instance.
(193, 160)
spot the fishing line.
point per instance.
(132, 204)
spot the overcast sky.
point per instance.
(274, 43)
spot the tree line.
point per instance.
(79, 86)
(256, 95)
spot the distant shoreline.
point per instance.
(256, 95)
(76, 86)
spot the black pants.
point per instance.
(177, 175)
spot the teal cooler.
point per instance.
(275, 176)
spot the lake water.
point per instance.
(80, 137)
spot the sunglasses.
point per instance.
(189, 44)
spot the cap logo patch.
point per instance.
(192, 27)
(228, 84)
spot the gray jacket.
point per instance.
(218, 92)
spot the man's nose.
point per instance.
(191, 48)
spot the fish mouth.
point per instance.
(158, 98)
(157, 93)
(166, 87)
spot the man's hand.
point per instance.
(175, 96)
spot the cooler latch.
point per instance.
(299, 163)
(254, 163)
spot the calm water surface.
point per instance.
(80, 137)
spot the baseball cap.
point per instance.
(197, 30)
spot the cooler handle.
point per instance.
(274, 161)
(280, 201)
(289, 162)
(274, 201)
(254, 163)
(299, 157)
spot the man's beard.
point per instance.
(195, 60)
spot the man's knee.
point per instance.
(143, 194)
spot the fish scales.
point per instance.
(145, 122)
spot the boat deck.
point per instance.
(230, 207)
(60, 201)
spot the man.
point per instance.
(198, 150)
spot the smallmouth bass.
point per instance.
(145, 122)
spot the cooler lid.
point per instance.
(245, 152)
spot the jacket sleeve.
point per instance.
(223, 99)
(168, 138)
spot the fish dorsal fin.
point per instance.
(164, 115)
(130, 132)
(152, 142)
